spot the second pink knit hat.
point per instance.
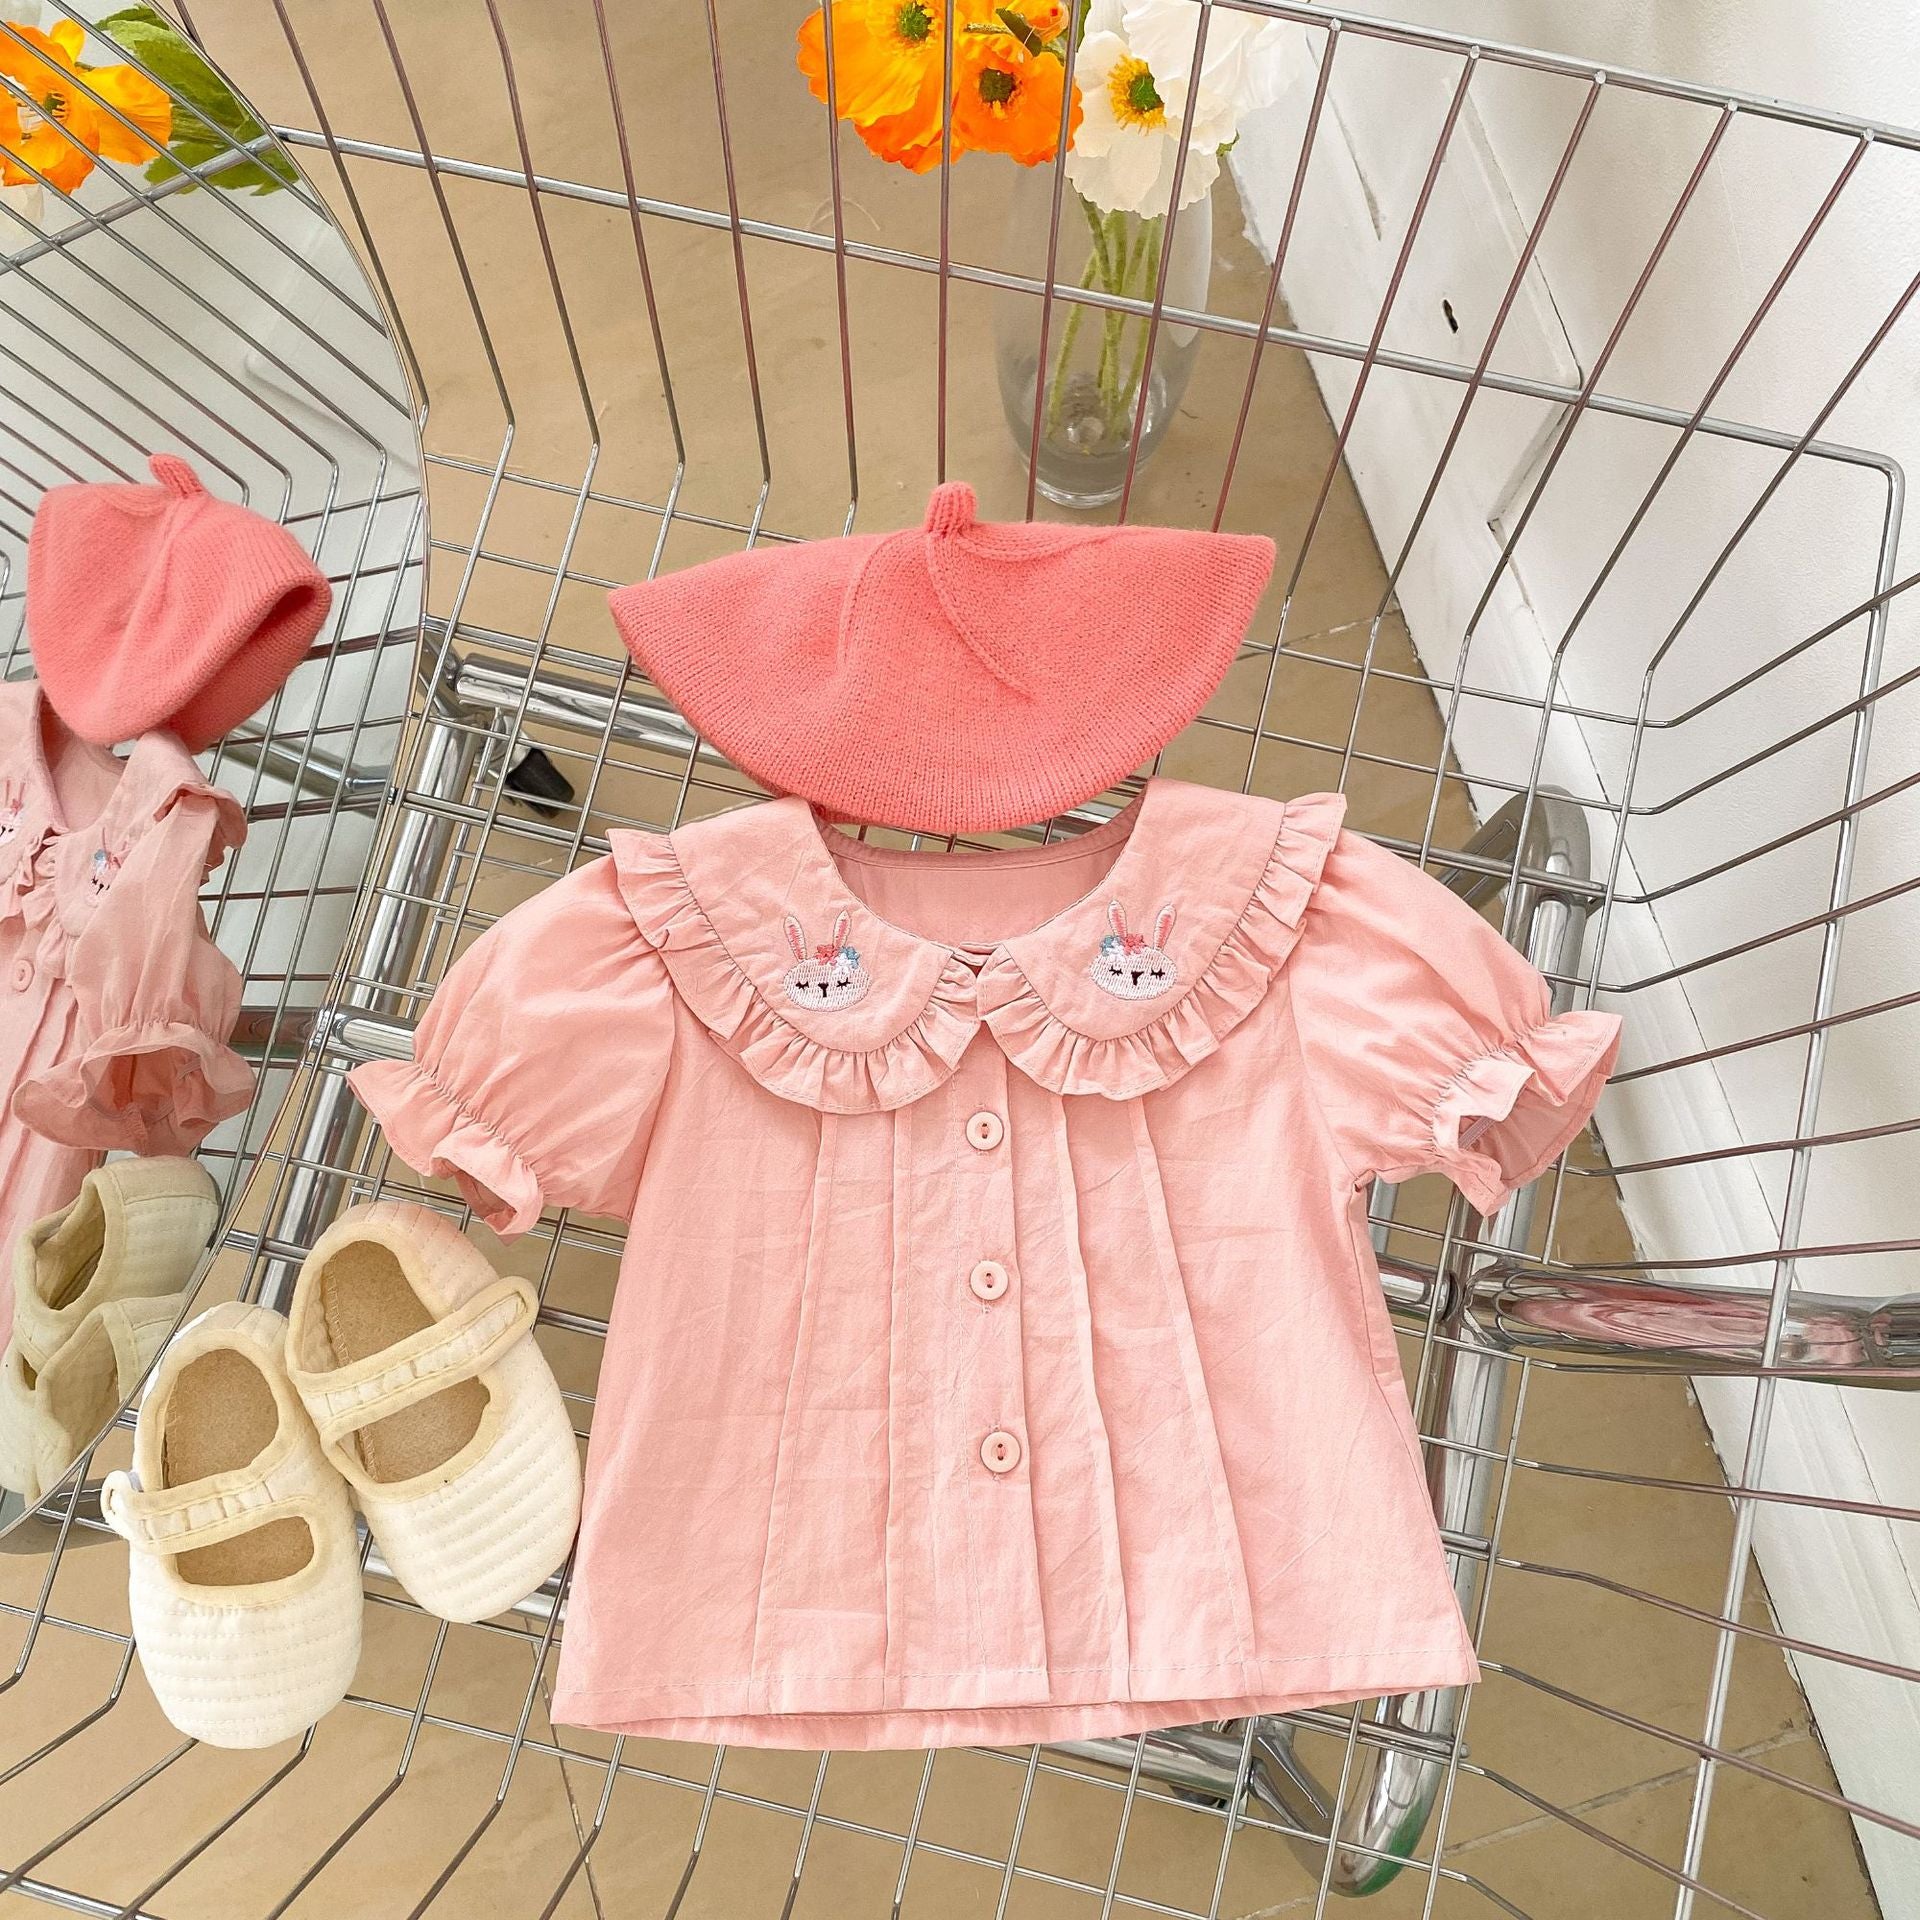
(163, 606)
(960, 677)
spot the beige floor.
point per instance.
(1560, 1792)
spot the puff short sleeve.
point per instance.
(538, 1064)
(149, 1069)
(1431, 1042)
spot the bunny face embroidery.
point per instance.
(100, 871)
(1129, 965)
(830, 976)
(12, 812)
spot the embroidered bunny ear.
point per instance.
(1117, 918)
(1163, 927)
(796, 937)
(841, 928)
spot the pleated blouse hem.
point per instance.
(719, 1711)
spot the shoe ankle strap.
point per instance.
(465, 1342)
(179, 1519)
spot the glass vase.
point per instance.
(1096, 358)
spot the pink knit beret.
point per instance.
(960, 677)
(162, 606)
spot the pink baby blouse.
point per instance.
(114, 1003)
(999, 1353)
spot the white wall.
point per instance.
(1850, 1583)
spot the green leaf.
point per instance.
(236, 177)
(205, 107)
(1017, 24)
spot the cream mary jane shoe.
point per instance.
(96, 1291)
(244, 1579)
(418, 1365)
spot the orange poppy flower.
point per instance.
(884, 54)
(1007, 100)
(1047, 18)
(889, 68)
(57, 130)
(910, 139)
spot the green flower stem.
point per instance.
(1102, 258)
(1123, 259)
(1098, 271)
(1069, 334)
(1113, 325)
(1151, 252)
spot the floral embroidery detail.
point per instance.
(13, 810)
(1129, 965)
(829, 977)
(101, 871)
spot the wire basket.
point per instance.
(650, 307)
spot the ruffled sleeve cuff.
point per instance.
(152, 1088)
(434, 1134)
(1503, 1119)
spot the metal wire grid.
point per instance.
(1481, 1303)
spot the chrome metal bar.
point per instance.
(385, 945)
(309, 770)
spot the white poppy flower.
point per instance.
(1123, 153)
(1134, 69)
(1249, 62)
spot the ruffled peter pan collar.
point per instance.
(54, 870)
(734, 905)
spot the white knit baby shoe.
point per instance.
(96, 1290)
(418, 1365)
(244, 1579)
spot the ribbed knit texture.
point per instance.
(960, 677)
(162, 606)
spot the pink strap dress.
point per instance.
(999, 1353)
(115, 1006)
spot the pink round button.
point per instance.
(985, 1131)
(22, 974)
(988, 1280)
(1000, 1452)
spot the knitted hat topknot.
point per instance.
(963, 676)
(163, 606)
